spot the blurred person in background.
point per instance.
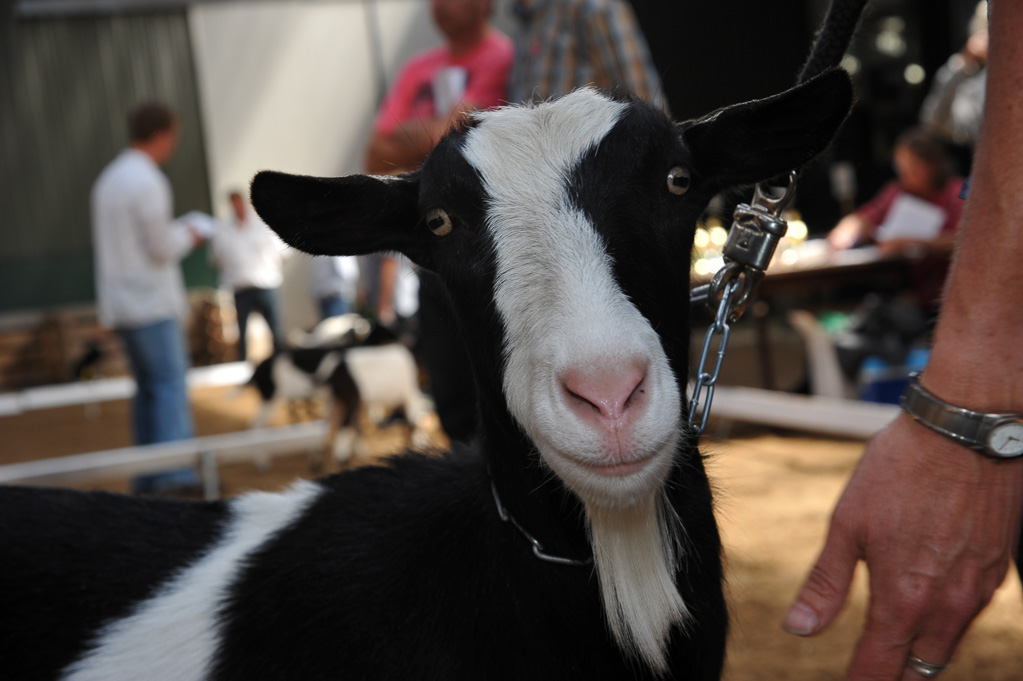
(917, 214)
(334, 284)
(954, 106)
(923, 171)
(250, 259)
(432, 91)
(140, 291)
(562, 45)
(436, 87)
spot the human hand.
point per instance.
(975, 49)
(937, 526)
(848, 233)
(840, 241)
(197, 236)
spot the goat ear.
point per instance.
(756, 141)
(352, 215)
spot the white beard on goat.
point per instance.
(585, 375)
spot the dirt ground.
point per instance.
(775, 492)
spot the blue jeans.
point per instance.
(334, 306)
(263, 301)
(160, 409)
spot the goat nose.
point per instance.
(607, 395)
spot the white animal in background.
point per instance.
(356, 381)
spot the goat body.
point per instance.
(563, 234)
(374, 372)
(346, 329)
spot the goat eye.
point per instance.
(439, 222)
(678, 180)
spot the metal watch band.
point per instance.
(967, 427)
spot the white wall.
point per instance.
(294, 87)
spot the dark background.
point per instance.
(712, 54)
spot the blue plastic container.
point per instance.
(882, 382)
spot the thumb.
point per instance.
(824, 591)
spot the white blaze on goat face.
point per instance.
(585, 373)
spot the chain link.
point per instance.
(754, 235)
(703, 389)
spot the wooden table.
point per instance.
(815, 278)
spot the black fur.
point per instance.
(456, 594)
(71, 561)
(340, 381)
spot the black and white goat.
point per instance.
(563, 234)
(353, 374)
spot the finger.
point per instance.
(919, 666)
(879, 656)
(940, 635)
(825, 589)
(929, 628)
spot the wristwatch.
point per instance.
(997, 436)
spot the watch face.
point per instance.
(1006, 439)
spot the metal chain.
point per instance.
(538, 549)
(706, 381)
(752, 240)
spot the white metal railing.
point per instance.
(207, 452)
(811, 413)
(119, 388)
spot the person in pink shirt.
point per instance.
(431, 92)
(435, 87)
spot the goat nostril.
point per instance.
(610, 393)
(580, 400)
(633, 396)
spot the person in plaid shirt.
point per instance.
(562, 45)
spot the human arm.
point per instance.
(943, 243)
(850, 231)
(388, 281)
(937, 523)
(164, 239)
(407, 146)
(860, 226)
(402, 135)
(955, 103)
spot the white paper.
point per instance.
(911, 218)
(202, 223)
(448, 88)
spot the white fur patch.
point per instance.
(564, 311)
(632, 548)
(387, 375)
(557, 294)
(174, 635)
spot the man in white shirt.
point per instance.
(139, 288)
(250, 258)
